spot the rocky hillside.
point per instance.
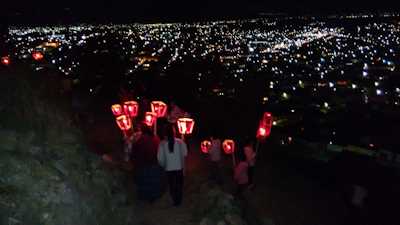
(46, 175)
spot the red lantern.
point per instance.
(150, 118)
(131, 108)
(37, 56)
(159, 108)
(228, 146)
(205, 146)
(185, 125)
(5, 60)
(261, 132)
(116, 110)
(124, 123)
(267, 119)
(264, 129)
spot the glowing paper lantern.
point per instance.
(185, 125)
(264, 129)
(228, 146)
(159, 108)
(150, 118)
(131, 108)
(37, 56)
(261, 132)
(124, 123)
(117, 109)
(5, 60)
(205, 146)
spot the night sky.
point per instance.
(70, 11)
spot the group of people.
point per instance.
(151, 155)
(243, 169)
(154, 154)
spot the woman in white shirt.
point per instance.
(171, 155)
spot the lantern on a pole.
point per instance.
(185, 126)
(205, 146)
(229, 148)
(160, 109)
(5, 60)
(150, 118)
(37, 56)
(131, 108)
(117, 109)
(267, 121)
(124, 123)
(264, 129)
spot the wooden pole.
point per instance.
(257, 146)
(233, 159)
(155, 127)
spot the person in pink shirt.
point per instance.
(241, 174)
(251, 160)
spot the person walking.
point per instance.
(251, 161)
(171, 155)
(215, 158)
(241, 175)
(147, 170)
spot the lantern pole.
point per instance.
(257, 146)
(183, 137)
(233, 159)
(155, 127)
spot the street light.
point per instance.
(5, 60)
(37, 56)
(229, 148)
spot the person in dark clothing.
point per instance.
(147, 170)
(171, 155)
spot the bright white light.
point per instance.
(378, 92)
(364, 74)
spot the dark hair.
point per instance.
(240, 155)
(169, 132)
(146, 130)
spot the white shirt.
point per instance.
(172, 160)
(215, 150)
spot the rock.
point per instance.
(221, 208)
(234, 219)
(221, 222)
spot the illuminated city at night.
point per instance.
(228, 113)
